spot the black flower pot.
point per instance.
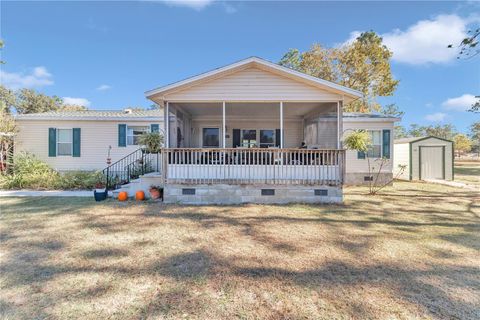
(100, 196)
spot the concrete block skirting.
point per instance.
(357, 179)
(237, 194)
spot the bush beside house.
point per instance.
(29, 172)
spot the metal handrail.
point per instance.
(129, 167)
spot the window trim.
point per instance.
(260, 137)
(369, 131)
(127, 135)
(57, 131)
(219, 136)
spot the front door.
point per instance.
(431, 163)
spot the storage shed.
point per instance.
(425, 158)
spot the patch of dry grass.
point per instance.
(468, 172)
(412, 252)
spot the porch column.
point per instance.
(281, 124)
(338, 124)
(167, 125)
(223, 124)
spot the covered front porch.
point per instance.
(229, 142)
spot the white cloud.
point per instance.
(436, 117)
(425, 41)
(193, 4)
(76, 101)
(41, 72)
(104, 87)
(229, 8)
(39, 77)
(461, 103)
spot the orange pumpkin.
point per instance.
(139, 195)
(122, 196)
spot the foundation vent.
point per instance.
(268, 192)
(321, 192)
(188, 191)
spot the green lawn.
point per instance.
(467, 172)
(412, 252)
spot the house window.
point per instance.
(64, 142)
(375, 150)
(249, 138)
(134, 132)
(211, 137)
(267, 138)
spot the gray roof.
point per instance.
(366, 115)
(94, 115)
(358, 116)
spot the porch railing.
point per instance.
(253, 166)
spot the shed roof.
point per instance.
(415, 139)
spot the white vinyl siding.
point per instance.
(97, 136)
(252, 84)
(355, 165)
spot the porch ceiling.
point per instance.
(254, 110)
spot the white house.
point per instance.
(233, 135)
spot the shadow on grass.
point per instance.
(105, 253)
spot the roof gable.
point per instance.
(256, 63)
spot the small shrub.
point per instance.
(152, 141)
(80, 179)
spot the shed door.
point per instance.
(432, 163)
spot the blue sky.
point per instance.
(107, 54)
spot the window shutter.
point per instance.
(361, 155)
(154, 127)
(277, 138)
(386, 144)
(76, 142)
(122, 135)
(52, 142)
(236, 138)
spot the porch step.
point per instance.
(143, 183)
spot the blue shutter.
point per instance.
(277, 138)
(386, 143)
(361, 155)
(154, 127)
(52, 142)
(236, 138)
(76, 142)
(122, 135)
